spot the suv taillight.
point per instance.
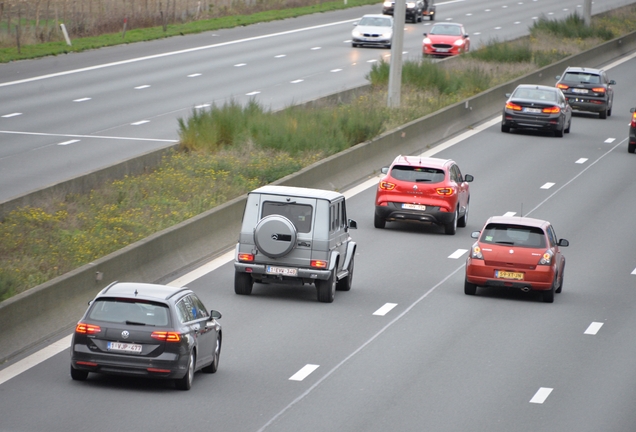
(319, 264)
(599, 89)
(166, 336)
(563, 86)
(87, 328)
(385, 185)
(633, 120)
(246, 257)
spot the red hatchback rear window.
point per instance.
(514, 235)
(417, 174)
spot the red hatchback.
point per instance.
(419, 189)
(516, 252)
(445, 39)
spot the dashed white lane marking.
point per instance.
(203, 106)
(610, 140)
(68, 142)
(593, 328)
(252, 93)
(280, 56)
(541, 395)
(458, 253)
(634, 272)
(335, 70)
(35, 359)
(12, 115)
(141, 87)
(82, 99)
(385, 309)
(304, 372)
(372, 61)
(581, 161)
(508, 214)
(297, 81)
(140, 122)
(316, 48)
(194, 75)
(547, 185)
(240, 64)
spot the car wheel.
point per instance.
(451, 227)
(327, 288)
(463, 221)
(78, 375)
(505, 128)
(214, 366)
(243, 283)
(389, 46)
(378, 222)
(344, 284)
(569, 126)
(185, 383)
(559, 133)
(469, 288)
(548, 296)
(432, 17)
(602, 115)
(631, 148)
(609, 112)
(558, 290)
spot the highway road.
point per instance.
(64, 116)
(405, 349)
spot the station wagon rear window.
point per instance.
(299, 214)
(514, 235)
(131, 312)
(417, 174)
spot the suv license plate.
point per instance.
(576, 90)
(501, 274)
(285, 271)
(413, 206)
(124, 347)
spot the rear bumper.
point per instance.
(532, 122)
(539, 279)
(587, 104)
(393, 212)
(258, 271)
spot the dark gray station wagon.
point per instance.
(295, 236)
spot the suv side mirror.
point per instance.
(384, 170)
(352, 224)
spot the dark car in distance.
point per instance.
(413, 12)
(631, 144)
(587, 89)
(146, 330)
(537, 107)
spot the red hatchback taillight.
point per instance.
(385, 185)
(513, 106)
(87, 328)
(552, 110)
(166, 336)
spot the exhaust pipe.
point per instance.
(525, 289)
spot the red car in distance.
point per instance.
(445, 39)
(518, 253)
(420, 189)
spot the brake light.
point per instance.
(552, 110)
(246, 257)
(513, 106)
(599, 89)
(476, 252)
(633, 120)
(319, 264)
(546, 259)
(87, 328)
(385, 185)
(446, 191)
(166, 336)
(563, 86)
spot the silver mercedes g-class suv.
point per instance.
(297, 236)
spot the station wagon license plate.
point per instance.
(285, 271)
(502, 274)
(532, 110)
(124, 347)
(581, 91)
(413, 206)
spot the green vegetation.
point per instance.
(227, 151)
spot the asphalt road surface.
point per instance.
(65, 116)
(405, 349)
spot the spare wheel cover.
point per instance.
(275, 236)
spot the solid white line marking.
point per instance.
(315, 48)
(35, 359)
(82, 99)
(86, 136)
(141, 87)
(581, 161)
(508, 214)
(140, 122)
(541, 395)
(593, 328)
(202, 106)
(385, 309)
(610, 140)
(68, 142)
(304, 372)
(194, 75)
(458, 253)
(371, 61)
(252, 93)
(11, 115)
(547, 185)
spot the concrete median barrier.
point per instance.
(48, 310)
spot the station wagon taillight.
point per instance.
(385, 185)
(246, 257)
(166, 336)
(87, 328)
(552, 110)
(513, 106)
(319, 264)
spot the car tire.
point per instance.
(602, 115)
(559, 133)
(505, 128)
(463, 221)
(569, 126)
(558, 290)
(378, 222)
(185, 383)
(631, 148)
(78, 375)
(469, 288)
(344, 284)
(609, 112)
(216, 356)
(451, 227)
(548, 296)
(243, 283)
(326, 289)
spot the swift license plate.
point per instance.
(502, 274)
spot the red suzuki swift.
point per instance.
(419, 189)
